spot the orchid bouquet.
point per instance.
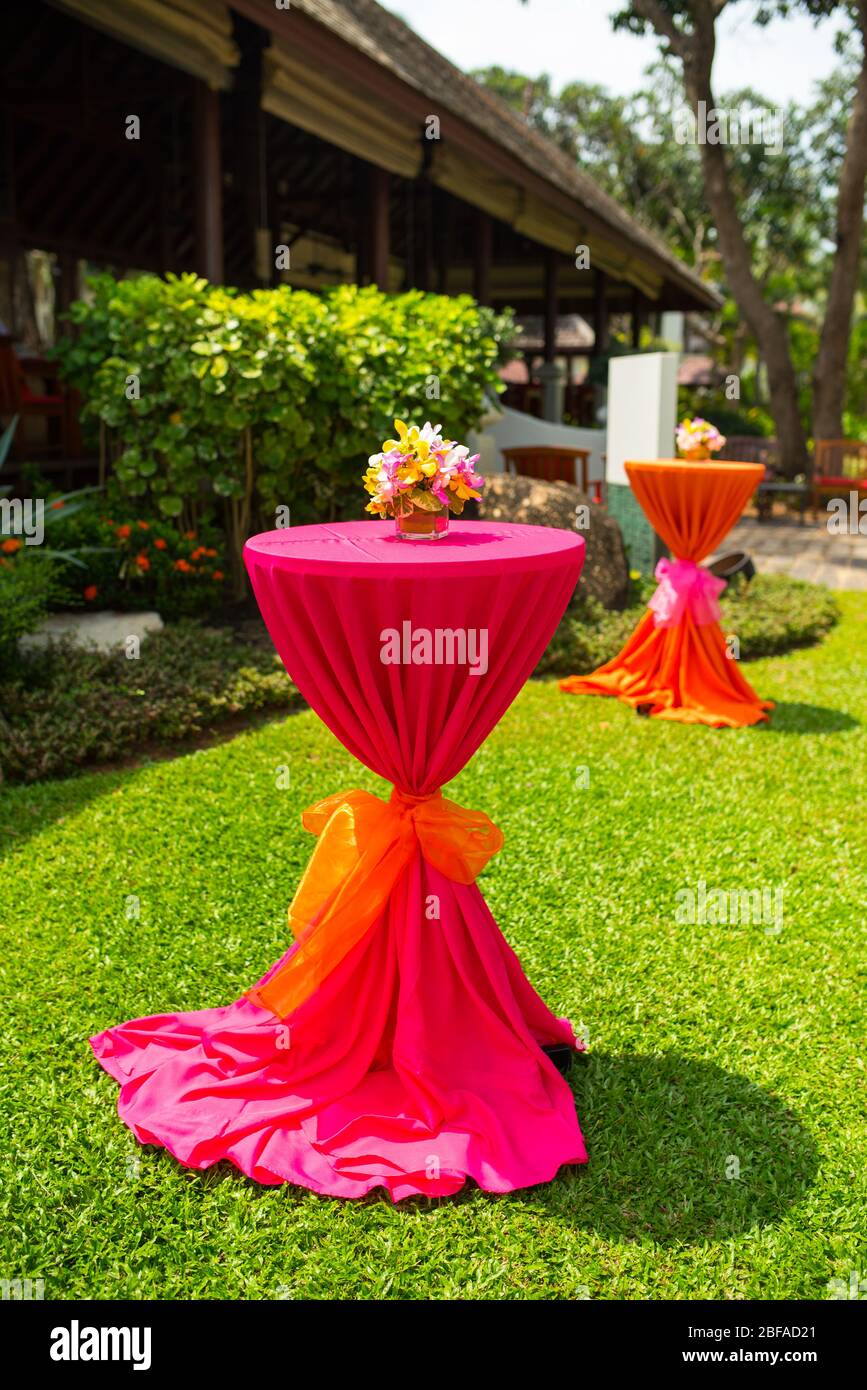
(420, 470)
(698, 438)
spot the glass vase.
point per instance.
(413, 523)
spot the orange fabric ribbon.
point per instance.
(364, 846)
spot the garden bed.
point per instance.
(68, 706)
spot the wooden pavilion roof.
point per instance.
(393, 49)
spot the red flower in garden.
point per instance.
(160, 543)
(11, 545)
(184, 566)
(218, 574)
(143, 562)
(123, 532)
(90, 592)
(59, 503)
(143, 525)
(209, 552)
(198, 552)
(189, 535)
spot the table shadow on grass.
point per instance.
(795, 717)
(681, 1151)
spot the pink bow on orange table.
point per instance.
(685, 587)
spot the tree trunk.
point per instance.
(829, 372)
(768, 327)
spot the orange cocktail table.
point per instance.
(676, 664)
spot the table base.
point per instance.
(415, 1066)
(679, 673)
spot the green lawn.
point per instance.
(708, 1043)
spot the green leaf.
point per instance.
(170, 504)
(424, 500)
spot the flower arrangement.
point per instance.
(698, 439)
(419, 477)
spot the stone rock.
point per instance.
(507, 497)
(101, 630)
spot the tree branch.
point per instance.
(659, 18)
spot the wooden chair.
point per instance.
(18, 398)
(552, 465)
(839, 467)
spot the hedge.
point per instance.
(267, 400)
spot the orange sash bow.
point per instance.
(364, 846)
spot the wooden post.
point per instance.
(482, 275)
(638, 317)
(551, 373)
(209, 177)
(550, 306)
(444, 248)
(600, 314)
(377, 239)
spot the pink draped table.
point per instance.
(416, 1062)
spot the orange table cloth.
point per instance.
(682, 671)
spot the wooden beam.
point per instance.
(482, 264)
(209, 180)
(424, 274)
(600, 312)
(377, 239)
(445, 222)
(550, 311)
(639, 317)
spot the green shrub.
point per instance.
(774, 613)
(730, 417)
(28, 584)
(66, 706)
(770, 615)
(270, 399)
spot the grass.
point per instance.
(711, 1046)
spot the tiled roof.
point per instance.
(390, 42)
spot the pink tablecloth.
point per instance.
(416, 1064)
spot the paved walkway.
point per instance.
(806, 552)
